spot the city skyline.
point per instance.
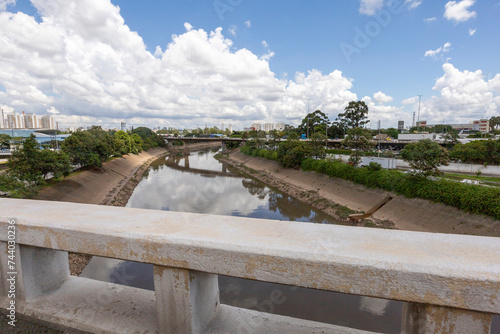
(179, 64)
(13, 120)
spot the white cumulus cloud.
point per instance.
(458, 11)
(381, 98)
(439, 51)
(472, 32)
(84, 62)
(463, 96)
(5, 3)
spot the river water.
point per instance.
(199, 183)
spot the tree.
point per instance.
(425, 156)
(494, 122)
(291, 153)
(335, 131)
(478, 151)
(358, 139)
(54, 163)
(23, 164)
(394, 133)
(29, 166)
(149, 138)
(88, 150)
(354, 116)
(5, 140)
(316, 121)
(318, 144)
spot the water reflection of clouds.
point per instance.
(185, 192)
(193, 190)
(375, 306)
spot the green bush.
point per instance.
(374, 166)
(470, 198)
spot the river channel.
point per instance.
(199, 183)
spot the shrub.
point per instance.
(374, 166)
(470, 198)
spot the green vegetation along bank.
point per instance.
(470, 198)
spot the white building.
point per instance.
(47, 122)
(280, 126)
(257, 126)
(3, 122)
(124, 126)
(31, 121)
(268, 127)
(15, 121)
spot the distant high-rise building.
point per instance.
(280, 126)
(124, 126)
(15, 121)
(268, 127)
(257, 126)
(401, 125)
(48, 122)
(31, 121)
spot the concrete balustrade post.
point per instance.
(421, 319)
(41, 271)
(223, 146)
(186, 300)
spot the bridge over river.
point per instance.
(384, 144)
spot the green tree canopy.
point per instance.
(425, 156)
(359, 140)
(316, 121)
(355, 115)
(31, 165)
(149, 138)
(495, 122)
(5, 140)
(23, 162)
(478, 151)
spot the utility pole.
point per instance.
(378, 151)
(308, 100)
(418, 118)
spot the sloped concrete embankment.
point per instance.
(405, 213)
(100, 185)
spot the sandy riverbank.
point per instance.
(112, 184)
(402, 213)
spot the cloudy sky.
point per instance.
(193, 63)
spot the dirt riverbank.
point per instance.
(332, 195)
(112, 184)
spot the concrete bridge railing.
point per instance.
(450, 283)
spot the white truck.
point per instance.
(417, 136)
